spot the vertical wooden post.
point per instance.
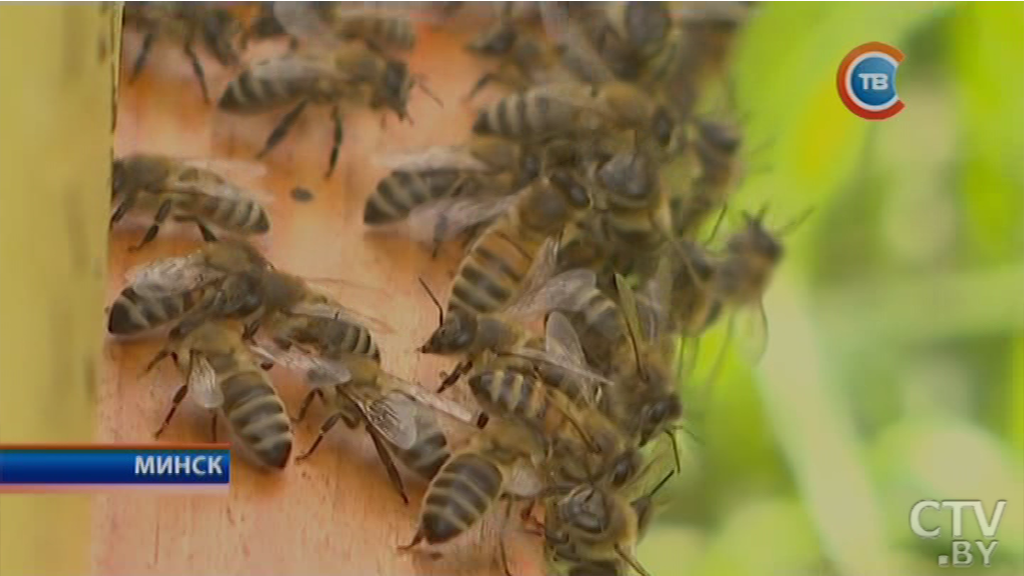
(58, 67)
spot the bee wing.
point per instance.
(577, 53)
(170, 275)
(562, 344)
(298, 67)
(228, 168)
(433, 158)
(524, 480)
(459, 213)
(427, 399)
(543, 292)
(229, 190)
(334, 310)
(306, 20)
(752, 331)
(398, 417)
(655, 301)
(628, 306)
(202, 382)
(318, 371)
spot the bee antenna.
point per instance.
(675, 454)
(421, 83)
(661, 484)
(430, 293)
(795, 223)
(633, 562)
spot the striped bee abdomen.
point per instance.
(459, 496)
(401, 191)
(257, 417)
(250, 94)
(511, 394)
(428, 455)
(493, 271)
(133, 312)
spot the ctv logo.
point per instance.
(962, 552)
(867, 81)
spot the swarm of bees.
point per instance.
(583, 265)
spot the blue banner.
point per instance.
(113, 465)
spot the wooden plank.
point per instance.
(335, 513)
(55, 109)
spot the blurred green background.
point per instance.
(895, 365)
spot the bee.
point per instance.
(185, 191)
(485, 166)
(348, 76)
(631, 222)
(517, 249)
(715, 147)
(647, 403)
(400, 417)
(185, 22)
(223, 375)
(594, 529)
(164, 291)
(496, 462)
(481, 338)
(327, 22)
(580, 110)
(524, 57)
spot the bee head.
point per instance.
(625, 467)
(587, 509)
(718, 137)
(571, 188)
(630, 179)
(663, 126)
(219, 31)
(454, 335)
(657, 415)
(756, 239)
(397, 84)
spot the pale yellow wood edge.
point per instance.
(58, 67)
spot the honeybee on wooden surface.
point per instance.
(346, 77)
(185, 191)
(163, 291)
(424, 186)
(401, 418)
(185, 22)
(223, 376)
(496, 462)
(581, 111)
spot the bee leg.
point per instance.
(415, 541)
(250, 330)
(338, 136)
(140, 60)
(122, 209)
(208, 235)
(197, 69)
(163, 353)
(213, 428)
(282, 128)
(480, 84)
(161, 215)
(482, 420)
(306, 403)
(450, 380)
(324, 429)
(502, 548)
(178, 397)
